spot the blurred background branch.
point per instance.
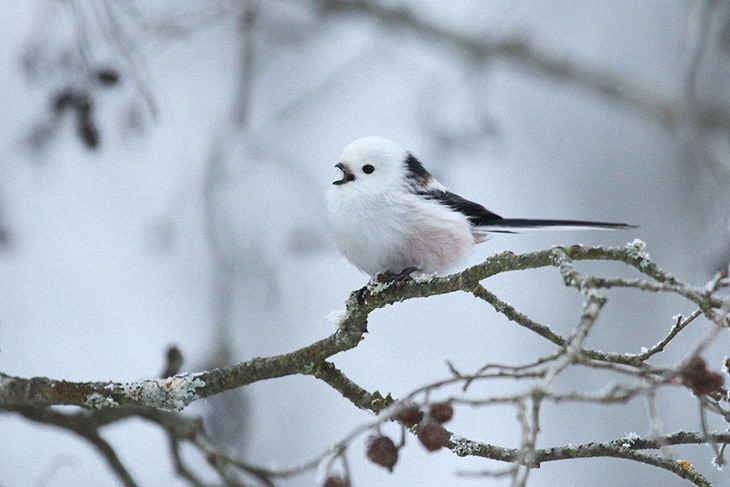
(673, 111)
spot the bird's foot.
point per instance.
(403, 276)
(383, 281)
(391, 279)
(360, 295)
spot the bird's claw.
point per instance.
(402, 277)
(384, 280)
(360, 295)
(396, 280)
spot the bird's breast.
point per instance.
(370, 232)
(393, 233)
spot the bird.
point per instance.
(388, 214)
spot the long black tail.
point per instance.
(515, 225)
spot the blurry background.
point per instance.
(163, 170)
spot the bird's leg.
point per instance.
(391, 279)
(402, 275)
(360, 295)
(387, 278)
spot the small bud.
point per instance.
(83, 105)
(382, 450)
(174, 361)
(107, 76)
(64, 100)
(441, 412)
(432, 435)
(702, 381)
(336, 481)
(88, 132)
(408, 415)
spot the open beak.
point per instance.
(347, 175)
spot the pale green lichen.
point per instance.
(337, 316)
(464, 447)
(636, 249)
(629, 439)
(376, 287)
(424, 277)
(99, 401)
(171, 393)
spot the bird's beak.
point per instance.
(347, 175)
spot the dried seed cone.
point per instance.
(408, 415)
(336, 481)
(702, 381)
(432, 435)
(441, 412)
(382, 450)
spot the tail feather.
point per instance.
(515, 225)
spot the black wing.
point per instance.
(479, 216)
(476, 213)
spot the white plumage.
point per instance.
(387, 213)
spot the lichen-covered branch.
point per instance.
(635, 376)
(177, 392)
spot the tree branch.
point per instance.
(176, 392)
(31, 397)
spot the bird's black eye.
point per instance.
(368, 168)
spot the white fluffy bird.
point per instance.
(388, 213)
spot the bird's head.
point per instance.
(375, 164)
